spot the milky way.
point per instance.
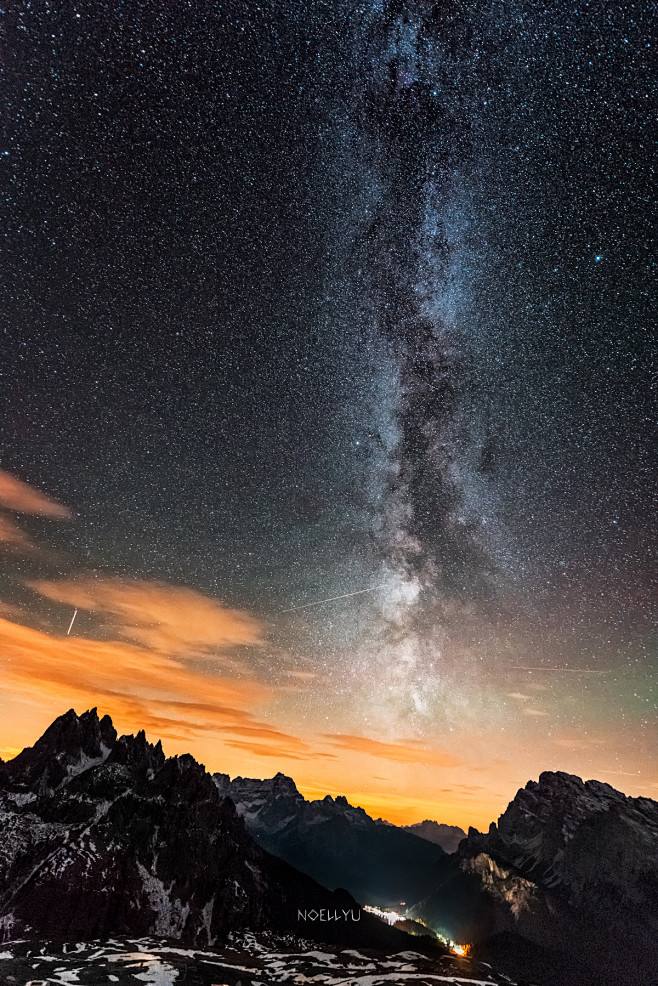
(304, 300)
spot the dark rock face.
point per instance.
(102, 836)
(334, 842)
(570, 864)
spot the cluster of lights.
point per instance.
(392, 917)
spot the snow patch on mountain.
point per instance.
(170, 914)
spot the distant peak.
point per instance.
(282, 784)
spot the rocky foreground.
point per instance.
(247, 959)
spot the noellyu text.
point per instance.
(324, 914)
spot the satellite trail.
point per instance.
(515, 667)
(331, 599)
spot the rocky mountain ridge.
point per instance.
(446, 836)
(572, 863)
(336, 843)
(103, 835)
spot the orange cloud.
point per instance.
(79, 666)
(19, 496)
(172, 620)
(139, 687)
(410, 751)
(169, 667)
(9, 752)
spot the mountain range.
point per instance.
(102, 836)
(339, 845)
(446, 836)
(565, 885)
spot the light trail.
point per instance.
(71, 623)
(515, 667)
(331, 599)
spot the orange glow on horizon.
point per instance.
(190, 671)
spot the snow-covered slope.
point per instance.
(247, 958)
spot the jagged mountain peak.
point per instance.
(558, 785)
(71, 730)
(69, 745)
(73, 744)
(135, 750)
(283, 784)
(557, 781)
(142, 844)
(184, 779)
(557, 799)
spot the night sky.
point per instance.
(306, 299)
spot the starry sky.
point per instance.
(328, 393)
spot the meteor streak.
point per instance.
(71, 623)
(331, 599)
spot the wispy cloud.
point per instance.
(20, 497)
(408, 751)
(169, 619)
(285, 748)
(155, 688)
(76, 666)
